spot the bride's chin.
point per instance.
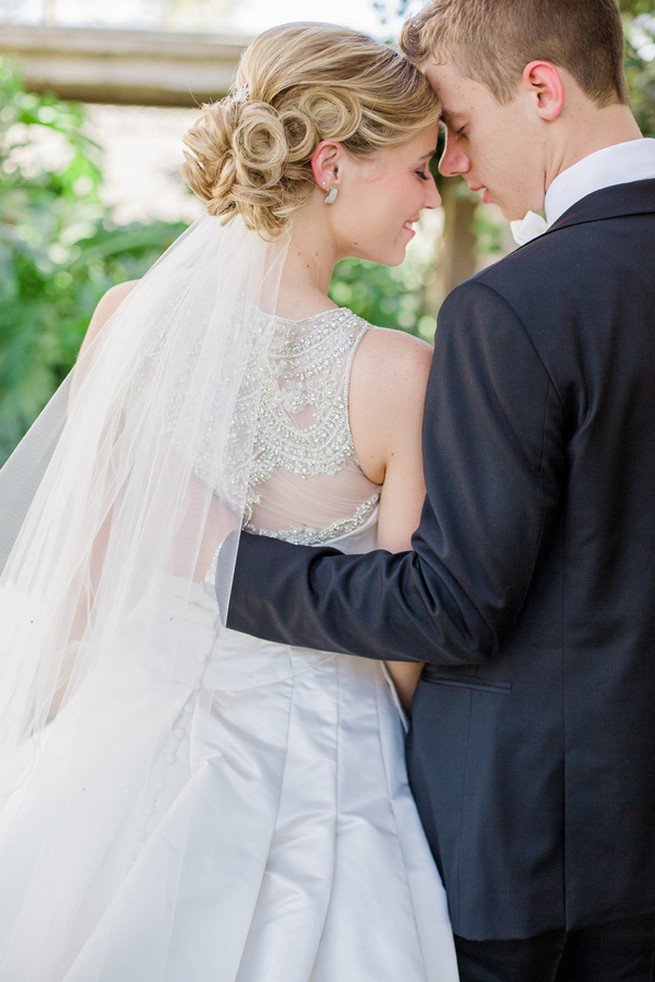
(396, 259)
(393, 256)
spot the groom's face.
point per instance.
(495, 147)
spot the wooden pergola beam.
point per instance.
(153, 68)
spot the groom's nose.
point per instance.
(453, 159)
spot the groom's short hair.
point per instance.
(492, 41)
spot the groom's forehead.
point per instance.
(454, 90)
(461, 98)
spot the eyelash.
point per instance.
(423, 175)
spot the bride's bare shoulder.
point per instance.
(391, 362)
(387, 393)
(109, 302)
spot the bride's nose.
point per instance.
(432, 196)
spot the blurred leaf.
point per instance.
(59, 251)
(640, 70)
(398, 297)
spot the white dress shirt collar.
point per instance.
(621, 163)
(618, 164)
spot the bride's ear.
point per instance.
(326, 164)
(546, 87)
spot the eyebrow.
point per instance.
(429, 155)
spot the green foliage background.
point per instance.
(59, 250)
(640, 35)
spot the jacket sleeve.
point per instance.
(494, 466)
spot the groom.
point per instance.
(530, 590)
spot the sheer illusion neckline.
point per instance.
(311, 317)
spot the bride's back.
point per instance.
(306, 483)
(338, 427)
(338, 431)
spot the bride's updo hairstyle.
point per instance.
(250, 153)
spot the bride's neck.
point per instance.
(306, 277)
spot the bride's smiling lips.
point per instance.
(409, 225)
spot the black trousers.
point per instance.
(620, 951)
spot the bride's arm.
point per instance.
(107, 305)
(387, 394)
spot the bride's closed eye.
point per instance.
(425, 176)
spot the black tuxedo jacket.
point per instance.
(530, 590)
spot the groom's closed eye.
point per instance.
(449, 121)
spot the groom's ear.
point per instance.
(546, 88)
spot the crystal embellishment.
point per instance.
(303, 424)
(315, 537)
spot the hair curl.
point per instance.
(250, 153)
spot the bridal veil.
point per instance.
(132, 478)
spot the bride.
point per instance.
(179, 801)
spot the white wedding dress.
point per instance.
(282, 794)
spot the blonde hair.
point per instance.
(492, 41)
(250, 153)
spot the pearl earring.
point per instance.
(331, 196)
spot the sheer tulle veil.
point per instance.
(130, 481)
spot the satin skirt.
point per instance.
(273, 839)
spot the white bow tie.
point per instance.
(525, 229)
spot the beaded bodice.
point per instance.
(305, 482)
